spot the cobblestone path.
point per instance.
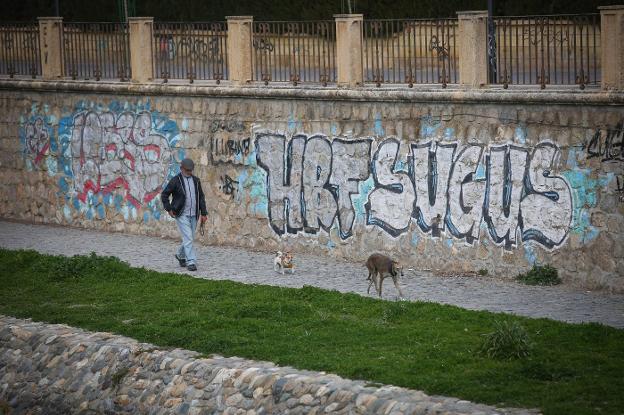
(215, 262)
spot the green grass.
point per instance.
(571, 369)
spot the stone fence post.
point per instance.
(612, 47)
(472, 47)
(141, 48)
(51, 47)
(349, 47)
(239, 48)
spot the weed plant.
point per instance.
(509, 340)
(540, 275)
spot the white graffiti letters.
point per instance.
(391, 203)
(349, 166)
(506, 167)
(312, 183)
(318, 200)
(445, 188)
(109, 152)
(283, 179)
(466, 194)
(431, 165)
(549, 224)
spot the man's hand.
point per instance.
(203, 219)
(171, 213)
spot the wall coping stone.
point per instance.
(423, 94)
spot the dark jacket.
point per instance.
(175, 188)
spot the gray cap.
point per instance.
(188, 164)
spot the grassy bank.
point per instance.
(570, 369)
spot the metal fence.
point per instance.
(410, 51)
(525, 50)
(190, 51)
(19, 49)
(544, 50)
(294, 52)
(96, 51)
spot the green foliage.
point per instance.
(419, 345)
(540, 275)
(509, 340)
(483, 272)
(62, 268)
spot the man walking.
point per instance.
(186, 206)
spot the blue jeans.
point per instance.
(187, 226)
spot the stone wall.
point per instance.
(453, 181)
(56, 369)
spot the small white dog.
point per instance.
(283, 261)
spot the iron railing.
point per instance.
(294, 52)
(410, 51)
(190, 51)
(19, 49)
(96, 51)
(542, 50)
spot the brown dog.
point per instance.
(379, 267)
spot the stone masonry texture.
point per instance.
(56, 369)
(448, 183)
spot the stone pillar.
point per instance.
(51, 44)
(473, 48)
(612, 47)
(239, 49)
(141, 48)
(349, 49)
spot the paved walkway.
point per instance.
(236, 264)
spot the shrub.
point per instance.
(483, 272)
(509, 340)
(540, 275)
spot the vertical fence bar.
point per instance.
(20, 54)
(560, 49)
(295, 52)
(191, 51)
(410, 51)
(96, 50)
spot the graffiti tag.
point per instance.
(110, 151)
(445, 187)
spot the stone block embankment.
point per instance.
(56, 369)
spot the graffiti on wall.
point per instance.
(229, 142)
(228, 185)
(230, 150)
(620, 187)
(117, 158)
(312, 183)
(110, 151)
(38, 143)
(607, 144)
